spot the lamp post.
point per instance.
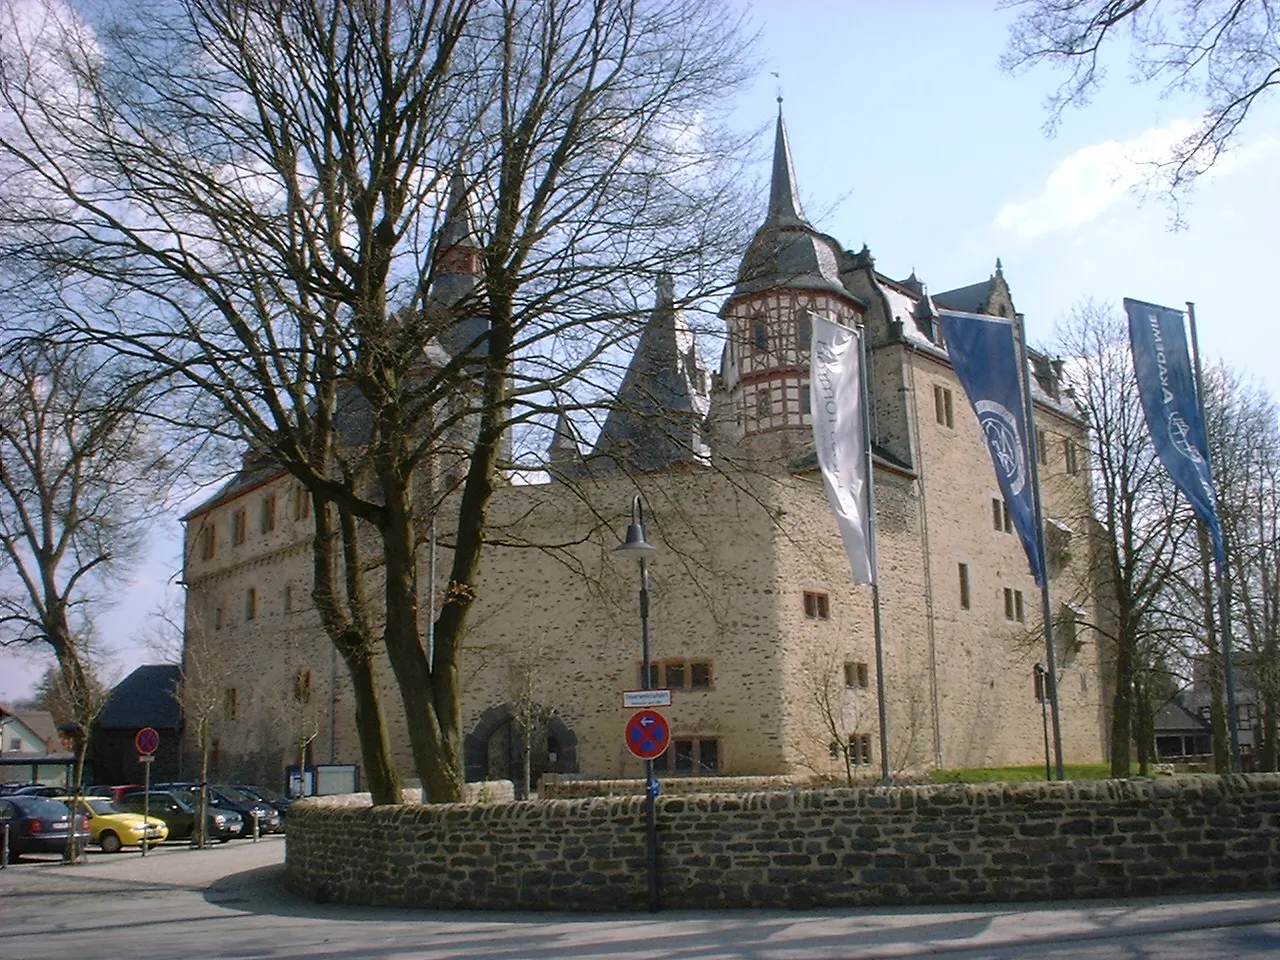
(1042, 694)
(636, 546)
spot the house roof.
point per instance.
(1175, 718)
(41, 723)
(148, 697)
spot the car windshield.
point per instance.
(104, 807)
(41, 807)
(231, 793)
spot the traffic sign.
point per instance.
(646, 698)
(146, 758)
(647, 734)
(147, 740)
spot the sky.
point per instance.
(907, 136)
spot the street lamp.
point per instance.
(636, 546)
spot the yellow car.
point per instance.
(112, 829)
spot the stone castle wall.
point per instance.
(845, 847)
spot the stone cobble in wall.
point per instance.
(800, 849)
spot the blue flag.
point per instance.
(1167, 387)
(985, 357)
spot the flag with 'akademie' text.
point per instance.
(836, 397)
(1167, 387)
(984, 355)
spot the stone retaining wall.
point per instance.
(842, 847)
(552, 787)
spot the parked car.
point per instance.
(175, 809)
(38, 790)
(37, 825)
(113, 792)
(111, 828)
(224, 798)
(277, 800)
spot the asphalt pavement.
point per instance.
(228, 902)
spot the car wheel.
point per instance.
(224, 839)
(109, 842)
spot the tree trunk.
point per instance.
(1122, 706)
(375, 749)
(200, 835)
(1142, 725)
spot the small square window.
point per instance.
(860, 749)
(682, 756)
(1008, 603)
(700, 675)
(675, 676)
(655, 677)
(964, 586)
(856, 674)
(708, 756)
(816, 606)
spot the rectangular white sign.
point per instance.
(646, 698)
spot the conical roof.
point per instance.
(786, 250)
(458, 272)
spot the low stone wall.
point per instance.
(551, 787)
(842, 847)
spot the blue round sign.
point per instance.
(146, 741)
(648, 735)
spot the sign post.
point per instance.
(146, 741)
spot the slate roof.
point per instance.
(145, 698)
(970, 299)
(1175, 718)
(786, 250)
(665, 396)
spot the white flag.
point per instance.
(836, 398)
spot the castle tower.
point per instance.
(788, 269)
(458, 272)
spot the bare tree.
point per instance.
(835, 725)
(80, 477)
(283, 166)
(1226, 53)
(1135, 514)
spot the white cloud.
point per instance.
(1092, 179)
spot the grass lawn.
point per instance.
(1074, 771)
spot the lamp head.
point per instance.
(635, 545)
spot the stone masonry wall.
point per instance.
(801, 849)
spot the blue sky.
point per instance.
(907, 136)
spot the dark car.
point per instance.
(225, 798)
(36, 825)
(38, 790)
(178, 813)
(114, 792)
(279, 801)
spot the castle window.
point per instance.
(805, 403)
(1070, 454)
(268, 513)
(1042, 448)
(655, 676)
(674, 676)
(208, 542)
(1013, 605)
(804, 333)
(288, 597)
(856, 675)
(238, 526)
(700, 675)
(217, 618)
(761, 338)
(964, 586)
(694, 756)
(943, 406)
(302, 686)
(860, 749)
(816, 606)
(764, 404)
(251, 604)
(229, 703)
(301, 502)
(1000, 518)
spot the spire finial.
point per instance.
(777, 76)
(999, 268)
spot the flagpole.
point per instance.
(871, 553)
(1046, 609)
(1224, 618)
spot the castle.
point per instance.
(757, 629)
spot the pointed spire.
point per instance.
(458, 229)
(666, 291)
(913, 283)
(999, 269)
(784, 197)
(564, 441)
(924, 309)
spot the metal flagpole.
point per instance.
(1224, 618)
(1046, 608)
(871, 553)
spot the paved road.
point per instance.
(227, 903)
